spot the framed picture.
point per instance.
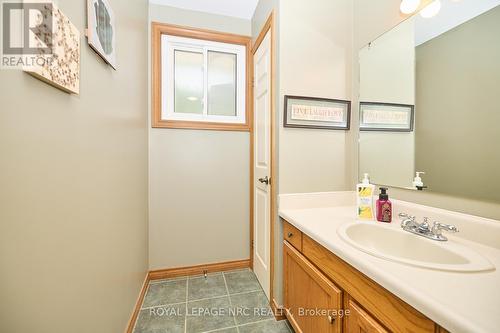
(101, 31)
(62, 67)
(386, 117)
(318, 113)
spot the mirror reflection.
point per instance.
(429, 92)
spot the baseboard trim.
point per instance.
(198, 269)
(138, 303)
(181, 271)
(278, 310)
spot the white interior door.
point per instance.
(262, 162)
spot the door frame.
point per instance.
(268, 26)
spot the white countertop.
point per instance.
(457, 301)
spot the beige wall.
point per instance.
(73, 193)
(458, 133)
(199, 180)
(371, 19)
(313, 58)
(315, 54)
(387, 75)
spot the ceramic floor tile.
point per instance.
(201, 287)
(209, 307)
(208, 315)
(267, 326)
(164, 293)
(251, 307)
(226, 330)
(168, 319)
(241, 281)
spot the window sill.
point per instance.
(201, 125)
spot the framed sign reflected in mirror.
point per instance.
(387, 117)
(317, 113)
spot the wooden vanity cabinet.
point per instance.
(312, 301)
(316, 279)
(359, 320)
(292, 235)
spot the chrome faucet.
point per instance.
(423, 229)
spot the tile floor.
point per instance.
(228, 302)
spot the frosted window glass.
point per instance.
(188, 79)
(221, 83)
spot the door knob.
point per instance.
(265, 180)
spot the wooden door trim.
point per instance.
(268, 27)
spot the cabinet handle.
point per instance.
(331, 319)
(290, 235)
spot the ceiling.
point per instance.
(452, 14)
(235, 8)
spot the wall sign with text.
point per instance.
(386, 117)
(319, 113)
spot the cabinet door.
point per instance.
(311, 300)
(359, 321)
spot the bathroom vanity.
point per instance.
(335, 281)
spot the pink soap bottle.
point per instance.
(384, 206)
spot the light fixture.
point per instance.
(409, 6)
(431, 10)
(192, 98)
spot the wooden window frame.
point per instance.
(159, 29)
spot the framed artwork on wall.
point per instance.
(316, 113)
(62, 66)
(386, 117)
(101, 30)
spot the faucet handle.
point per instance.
(438, 227)
(406, 216)
(406, 220)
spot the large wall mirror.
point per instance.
(430, 93)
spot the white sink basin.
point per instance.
(394, 244)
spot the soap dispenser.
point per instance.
(364, 193)
(384, 206)
(417, 181)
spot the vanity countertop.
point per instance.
(457, 301)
